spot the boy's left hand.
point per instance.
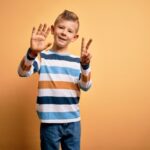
(85, 55)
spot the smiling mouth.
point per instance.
(63, 39)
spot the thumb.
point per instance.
(48, 45)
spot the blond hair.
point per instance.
(68, 15)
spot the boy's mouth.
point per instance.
(61, 38)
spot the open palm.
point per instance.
(38, 38)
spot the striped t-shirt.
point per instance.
(61, 77)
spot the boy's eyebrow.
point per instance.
(70, 28)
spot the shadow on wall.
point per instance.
(19, 125)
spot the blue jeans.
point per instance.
(67, 134)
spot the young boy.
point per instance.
(61, 76)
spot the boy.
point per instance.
(61, 76)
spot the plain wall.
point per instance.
(116, 110)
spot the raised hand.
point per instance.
(85, 55)
(38, 38)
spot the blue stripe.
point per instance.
(59, 70)
(58, 115)
(57, 100)
(60, 57)
(35, 65)
(85, 67)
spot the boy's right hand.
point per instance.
(38, 38)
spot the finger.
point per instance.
(43, 32)
(47, 31)
(44, 28)
(88, 44)
(39, 29)
(82, 44)
(33, 31)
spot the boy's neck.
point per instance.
(59, 49)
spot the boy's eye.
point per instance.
(61, 27)
(70, 31)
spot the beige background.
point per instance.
(116, 111)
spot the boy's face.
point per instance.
(64, 32)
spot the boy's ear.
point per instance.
(52, 29)
(75, 37)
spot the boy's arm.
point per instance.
(30, 62)
(85, 76)
(28, 65)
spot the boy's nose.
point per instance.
(63, 33)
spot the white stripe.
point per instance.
(74, 56)
(61, 63)
(27, 61)
(85, 72)
(58, 93)
(58, 77)
(30, 62)
(61, 54)
(57, 108)
(47, 52)
(85, 85)
(61, 121)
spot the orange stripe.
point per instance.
(58, 85)
(24, 66)
(85, 78)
